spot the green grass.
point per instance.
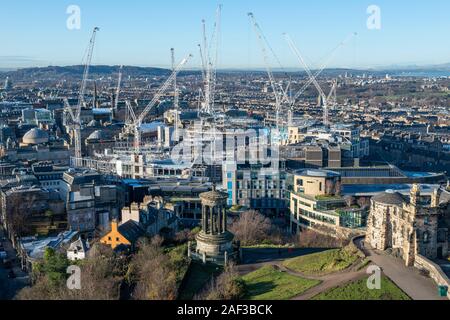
(268, 283)
(179, 259)
(323, 262)
(358, 291)
(197, 277)
(327, 198)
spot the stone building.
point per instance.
(410, 225)
(214, 243)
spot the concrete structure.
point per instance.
(316, 203)
(249, 186)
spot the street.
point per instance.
(9, 287)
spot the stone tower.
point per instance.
(214, 242)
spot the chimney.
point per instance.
(114, 225)
(435, 198)
(415, 194)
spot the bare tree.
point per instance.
(363, 202)
(18, 211)
(312, 239)
(101, 276)
(349, 201)
(227, 286)
(153, 273)
(251, 228)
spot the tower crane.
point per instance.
(320, 70)
(175, 96)
(279, 93)
(311, 77)
(137, 121)
(209, 63)
(119, 83)
(76, 117)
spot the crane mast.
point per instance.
(311, 77)
(209, 64)
(76, 117)
(261, 40)
(139, 120)
(320, 70)
(175, 97)
(119, 83)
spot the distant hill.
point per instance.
(53, 72)
(98, 71)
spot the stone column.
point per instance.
(224, 220)
(211, 216)
(204, 219)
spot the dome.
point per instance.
(98, 135)
(35, 136)
(389, 197)
(214, 196)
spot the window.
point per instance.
(426, 237)
(109, 238)
(117, 239)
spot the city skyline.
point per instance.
(142, 34)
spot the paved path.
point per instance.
(414, 284)
(409, 279)
(328, 281)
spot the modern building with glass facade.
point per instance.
(252, 187)
(316, 203)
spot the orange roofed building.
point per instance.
(124, 235)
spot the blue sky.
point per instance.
(138, 32)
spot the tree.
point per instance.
(153, 272)
(363, 202)
(349, 201)
(251, 228)
(19, 208)
(101, 276)
(227, 286)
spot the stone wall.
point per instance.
(435, 271)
